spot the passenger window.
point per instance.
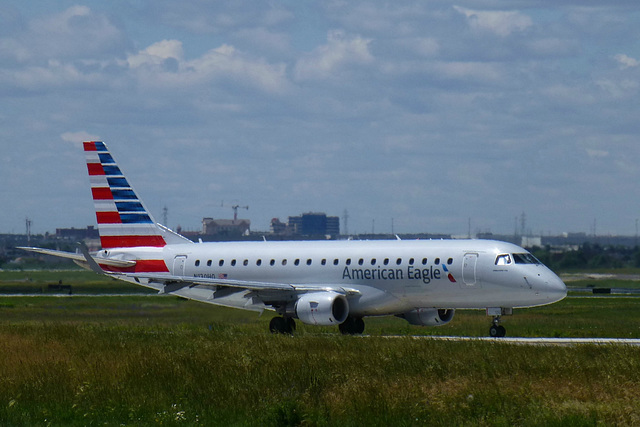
(296, 262)
(386, 261)
(436, 261)
(259, 262)
(272, 262)
(411, 261)
(360, 261)
(245, 262)
(450, 261)
(336, 261)
(399, 261)
(309, 261)
(221, 262)
(373, 261)
(424, 261)
(324, 261)
(284, 262)
(348, 261)
(233, 262)
(209, 263)
(197, 263)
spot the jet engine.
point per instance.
(322, 308)
(428, 316)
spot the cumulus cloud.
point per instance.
(157, 54)
(626, 61)
(79, 137)
(340, 51)
(164, 63)
(502, 23)
(74, 32)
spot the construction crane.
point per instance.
(235, 210)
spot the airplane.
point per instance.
(333, 282)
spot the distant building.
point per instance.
(78, 234)
(307, 224)
(225, 227)
(279, 227)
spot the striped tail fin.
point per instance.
(123, 220)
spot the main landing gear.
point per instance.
(352, 326)
(282, 325)
(286, 325)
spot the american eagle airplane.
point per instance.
(317, 282)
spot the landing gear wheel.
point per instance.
(291, 325)
(281, 325)
(352, 326)
(497, 331)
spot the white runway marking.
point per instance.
(533, 341)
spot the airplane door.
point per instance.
(469, 265)
(179, 263)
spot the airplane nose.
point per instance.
(555, 289)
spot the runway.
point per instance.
(530, 341)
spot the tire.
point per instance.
(278, 325)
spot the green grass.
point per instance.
(160, 360)
(81, 282)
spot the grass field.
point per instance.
(159, 360)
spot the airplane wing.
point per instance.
(249, 295)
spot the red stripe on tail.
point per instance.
(95, 169)
(101, 193)
(108, 218)
(131, 241)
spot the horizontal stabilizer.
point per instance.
(79, 257)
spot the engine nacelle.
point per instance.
(322, 308)
(429, 316)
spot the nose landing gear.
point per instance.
(497, 330)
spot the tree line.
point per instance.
(589, 256)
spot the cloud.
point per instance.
(157, 54)
(626, 61)
(596, 153)
(79, 137)
(163, 63)
(340, 51)
(73, 33)
(502, 23)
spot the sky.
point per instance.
(410, 116)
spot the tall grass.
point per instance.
(159, 360)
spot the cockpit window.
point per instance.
(504, 259)
(525, 259)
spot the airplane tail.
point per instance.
(123, 220)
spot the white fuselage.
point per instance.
(391, 276)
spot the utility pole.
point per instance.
(345, 220)
(28, 224)
(165, 216)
